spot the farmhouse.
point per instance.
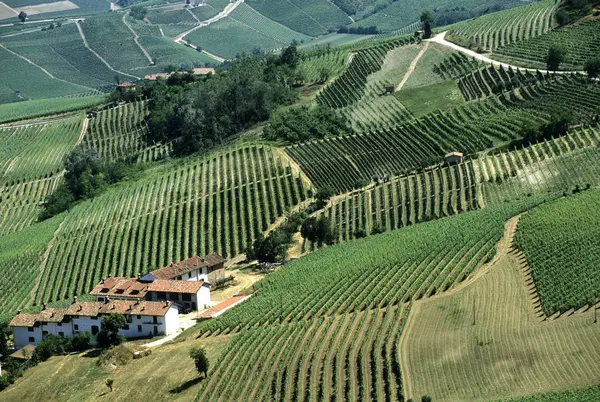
(208, 268)
(454, 158)
(186, 294)
(164, 76)
(143, 318)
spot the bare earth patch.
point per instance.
(48, 7)
(7, 12)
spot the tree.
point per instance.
(138, 12)
(109, 383)
(272, 248)
(200, 360)
(427, 20)
(323, 195)
(556, 56)
(318, 230)
(23, 16)
(81, 341)
(109, 334)
(425, 398)
(290, 56)
(4, 335)
(592, 67)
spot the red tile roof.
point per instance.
(23, 320)
(131, 307)
(166, 285)
(121, 287)
(172, 271)
(203, 71)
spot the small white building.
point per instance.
(453, 158)
(144, 318)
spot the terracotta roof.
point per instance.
(120, 287)
(23, 320)
(454, 154)
(127, 84)
(154, 77)
(132, 307)
(183, 267)
(165, 285)
(203, 71)
(25, 353)
(51, 315)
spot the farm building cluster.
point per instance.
(151, 303)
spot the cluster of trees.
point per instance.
(203, 114)
(558, 124)
(370, 30)
(86, 176)
(573, 10)
(592, 68)
(138, 12)
(274, 247)
(556, 56)
(427, 20)
(304, 123)
(51, 345)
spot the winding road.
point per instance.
(230, 7)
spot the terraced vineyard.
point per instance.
(559, 165)
(349, 87)
(581, 42)
(326, 65)
(311, 17)
(492, 80)
(560, 241)
(344, 162)
(119, 133)
(316, 360)
(406, 200)
(245, 30)
(455, 66)
(217, 204)
(499, 29)
(386, 271)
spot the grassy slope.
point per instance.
(508, 352)
(421, 101)
(46, 107)
(167, 374)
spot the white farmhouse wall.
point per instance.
(203, 297)
(171, 321)
(85, 324)
(21, 336)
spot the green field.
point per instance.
(560, 241)
(311, 17)
(244, 29)
(37, 108)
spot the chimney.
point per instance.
(137, 301)
(107, 300)
(19, 311)
(166, 304)
(102, 281)
(74, 299)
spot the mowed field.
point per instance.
(483, 341)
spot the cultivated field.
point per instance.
(483, 341)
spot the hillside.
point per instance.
(397, 216)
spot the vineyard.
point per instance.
(119, 133)
(576, 395)
(245, 30)
(560, 241)
(558, 165)
(406, 200)
(377, 272)
(347, 357)
(455, 66)
(310, 17)
(492, 31)
(319, 66)
(219, 203)
(580, 41)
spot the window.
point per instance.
(186, 297)
(139, 317)
(126, 327)
(94, 329)
(155, 320)
(139, 328)
(161, 295)
(60, 324)
(31, 339)
(30, 329)
(76, 327)
(175, 296)
(129, 318)
(61, 334)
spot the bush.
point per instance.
(592, 67)
(109, 334)
(81, 341)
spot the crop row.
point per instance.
(375, 272)
(406, 200)
(120, 133)
(581, 42)
(36, 151)
(455, 66)
(502, 28)
(349, 87)
(322, 67)
(220, 203)
(561, 243)
(348, 357)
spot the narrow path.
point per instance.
(503, 247)
(441, 39)
(211, 55)
(230, 7)
(194, 16)
(85, 43)
(135, 39)
(412, 67)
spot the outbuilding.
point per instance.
(453, 158)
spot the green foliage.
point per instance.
(304, 123)
(592, 67)
(200, 360)
(318, 230)
(109, 334)
(560, 242)
(575, 395)
(138, 12)
(51, 345)
(427, 20)
(81, 341)
(4, 336)
(556, 56)
(272, 248)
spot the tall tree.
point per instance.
(427, 20)
(592, 67)
(200, 360)
(22, 16)
(556, 56)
